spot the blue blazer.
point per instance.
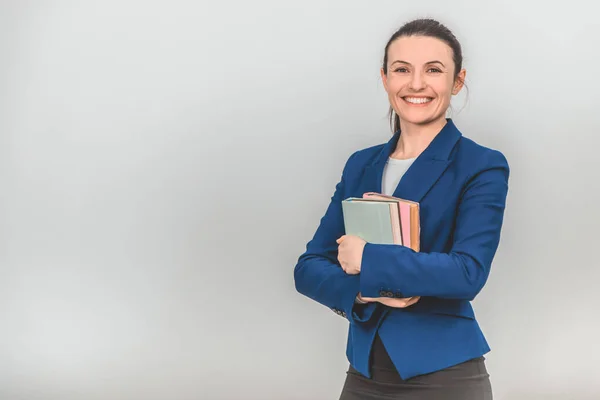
(462, 189)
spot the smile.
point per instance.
(417, 100)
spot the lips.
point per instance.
(417, 100)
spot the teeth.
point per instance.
(417, 100)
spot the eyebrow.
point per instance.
(429, 62)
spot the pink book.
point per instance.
(405, 222)
(396, 222)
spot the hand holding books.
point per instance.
(350, 253)
(391, 302)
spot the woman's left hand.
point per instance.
(350, 252)
(392, 302)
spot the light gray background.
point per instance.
(164, 163)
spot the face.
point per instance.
(420, 79)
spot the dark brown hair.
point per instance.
(430, 28)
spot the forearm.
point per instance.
(326, 283)
(406, 273)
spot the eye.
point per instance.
(401, 69)
(435, 70)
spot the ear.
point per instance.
(459, 81)
(384, 79)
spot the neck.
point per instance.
(415, 138)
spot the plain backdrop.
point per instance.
(163, 165)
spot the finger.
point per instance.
(399, 303)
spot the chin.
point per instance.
(420, 119)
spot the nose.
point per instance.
(417, 82)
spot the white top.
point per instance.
(392, 173)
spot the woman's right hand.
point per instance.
(391, 302)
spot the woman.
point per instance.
(434, 348)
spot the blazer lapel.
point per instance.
(424, 171)
(419, 178)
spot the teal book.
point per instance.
(375, 221)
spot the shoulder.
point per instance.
(477, 157)
(361, 157)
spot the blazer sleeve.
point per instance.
(318, 274)
(463, 271)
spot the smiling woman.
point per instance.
(422, 70)
(434, 348)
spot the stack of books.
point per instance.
(382, 219)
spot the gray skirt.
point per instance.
(466, 381)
